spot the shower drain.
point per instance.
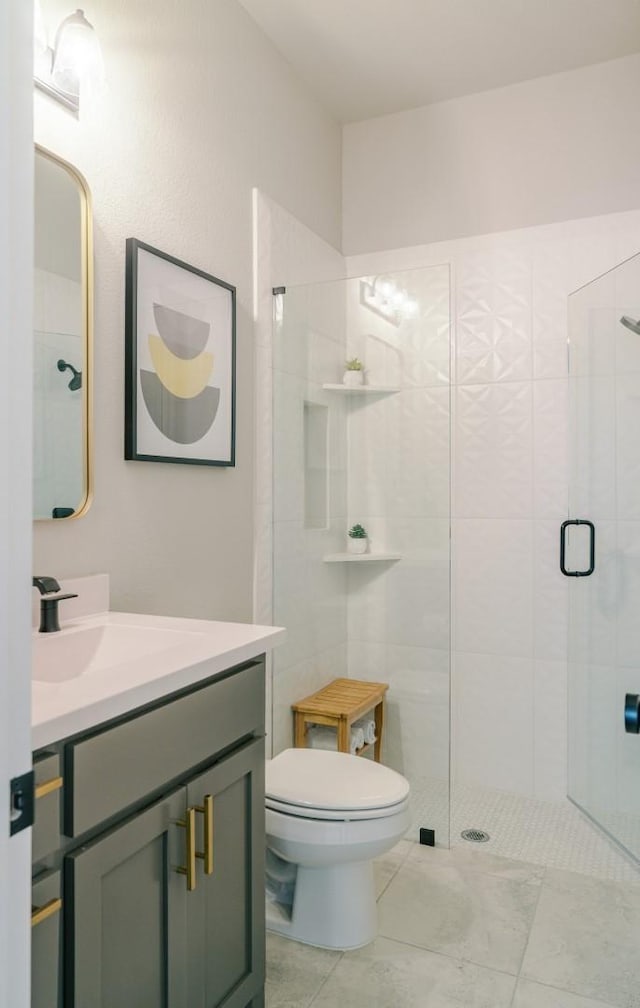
(475, 835)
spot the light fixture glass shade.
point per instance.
(39, 32)
(78, 68)
(410, 308)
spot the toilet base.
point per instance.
(334, 907)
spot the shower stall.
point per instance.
(380, 455)
(377, 455)
(602, 554)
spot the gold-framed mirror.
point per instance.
(63, 336)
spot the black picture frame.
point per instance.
(180, 332)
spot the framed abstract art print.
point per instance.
(180, 361)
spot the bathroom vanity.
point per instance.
(148, 843)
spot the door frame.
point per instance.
(16, 337)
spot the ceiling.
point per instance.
(365, 58)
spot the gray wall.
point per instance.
(547, 150)
(199, 108)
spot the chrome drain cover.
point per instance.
(475, 835)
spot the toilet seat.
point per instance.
(335, 815)
(320, 784)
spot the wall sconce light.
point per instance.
(73, 67)
(381, 296)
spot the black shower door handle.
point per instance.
(592, 547)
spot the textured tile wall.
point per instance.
(399, 489)
(510, 481)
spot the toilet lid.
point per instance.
(318, 778)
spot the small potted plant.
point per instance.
(357, 541)
(354, 374)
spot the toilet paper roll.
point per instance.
(324, 737)
(368, 726)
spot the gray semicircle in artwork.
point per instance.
(184, 335)
(184, 421)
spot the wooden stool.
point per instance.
(339, 704)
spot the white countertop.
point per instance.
(60, 709)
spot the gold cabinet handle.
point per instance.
(207, 855)
(40, 914)
(189, 824)
(54, 784)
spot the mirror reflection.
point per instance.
(62, 301)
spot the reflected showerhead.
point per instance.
(631, 324)
(76, 381)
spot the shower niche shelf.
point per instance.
(362, 389)
(362, 557)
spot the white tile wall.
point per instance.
(628, 592)
(492, 722)
(550, 449)
(510, 490)
(493, 313)
(416, 739)
(494, 450)
(549, 729)
(493, 586)
(550, 595)
(294, 682)
(399, 489)
(510, 480)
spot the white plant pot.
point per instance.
(353, 378)
(356, 545)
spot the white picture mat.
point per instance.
(162, 282)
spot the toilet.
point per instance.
(328, 814)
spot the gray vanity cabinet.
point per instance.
(46, 917)
(160, 858)
(225, 912)
(126, 914)
(137, 935)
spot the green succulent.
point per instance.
(357, 532)
(354, 364)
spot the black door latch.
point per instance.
(21, 803)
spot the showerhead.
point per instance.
(631, 324)
(76, 381)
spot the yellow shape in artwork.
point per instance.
(183, 378)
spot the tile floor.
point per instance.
(463, 928)
(553, 834)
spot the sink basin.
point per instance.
(75, 652)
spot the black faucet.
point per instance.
(49, 620)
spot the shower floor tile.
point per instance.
(552, 834)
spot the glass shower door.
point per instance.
(604, 534)
(378, 455)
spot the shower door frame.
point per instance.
(601, 359)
